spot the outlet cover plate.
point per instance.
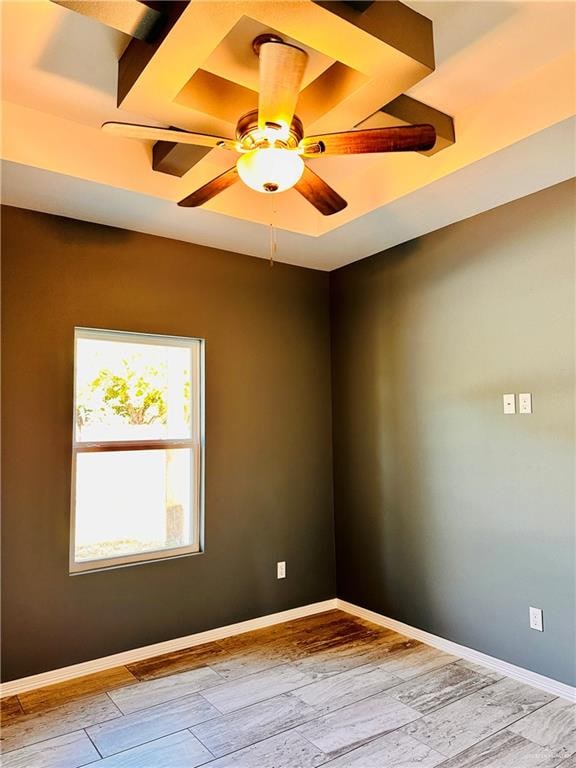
(536, 619)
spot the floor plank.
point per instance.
(504, 750)
(263, 685)
(336, 635)
(459, 725)
(56, 722)
(354, 653)
(255, 659)
(479, 669)
(395, 750)
(416, 660)
(152, 723)
(179, 750)
(312, 633)
(52, 696)
(286, 631)
(239, 729)
(340, 690)
(329, 620)
(10, 709)
(570, 763)
(69, 751)
(177, 661)
(351, 726)
(307, 627)
(551, 726)
(436, 689)
(287, 750)
(151, 692)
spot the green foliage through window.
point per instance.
(134, 396)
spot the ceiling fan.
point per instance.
(270, 141)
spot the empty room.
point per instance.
(288, 384)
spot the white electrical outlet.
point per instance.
(525, 402)
(509, 403)
(536, 619)
(281, 570)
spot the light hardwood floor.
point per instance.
(328, 690)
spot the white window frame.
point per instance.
(195, 444)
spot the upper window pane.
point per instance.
(131, 390)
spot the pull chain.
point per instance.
(273, 243)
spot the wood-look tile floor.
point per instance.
(328, 690)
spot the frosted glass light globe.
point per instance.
(270, 169)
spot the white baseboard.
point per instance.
(547, 684)
(127, 657)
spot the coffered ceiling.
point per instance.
(504, 72)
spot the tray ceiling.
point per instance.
(504, 71)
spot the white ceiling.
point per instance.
(505, 71)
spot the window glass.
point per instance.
(127, 391)
(132, 501)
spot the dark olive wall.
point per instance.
(451, 516)
(268, 437)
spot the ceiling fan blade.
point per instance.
(405, 138)
(282, 68)
(176, 135)
(320, 194)
(211, 189)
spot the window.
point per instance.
(137, 465)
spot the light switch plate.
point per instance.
(509, 403)
(281, 570)
(525, 402)
(536, 619)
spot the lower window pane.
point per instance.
(131, 502)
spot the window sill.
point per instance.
(82, 569)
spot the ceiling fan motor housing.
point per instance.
(251, 136)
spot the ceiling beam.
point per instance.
(139, 53)
(176, 159)
(359, 5)
(134, 18)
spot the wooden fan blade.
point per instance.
(131, 131)
(320, 194)
(211, 189)
(282, 68)
(406, 138)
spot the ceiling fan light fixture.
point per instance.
(270, 169)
